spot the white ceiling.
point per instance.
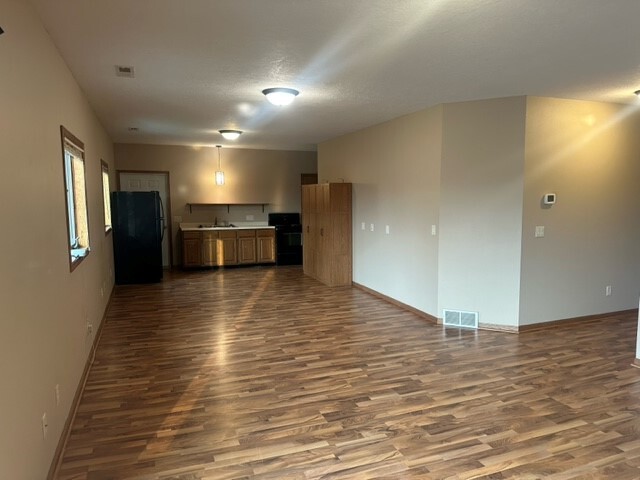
(200, 65)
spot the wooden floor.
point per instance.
(262, 373)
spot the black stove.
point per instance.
(288, 238)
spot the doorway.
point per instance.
(308, 178)
(129, 181)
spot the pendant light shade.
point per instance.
(230, 134)
(219, 172)
(280, 96)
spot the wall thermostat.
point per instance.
(549, 198)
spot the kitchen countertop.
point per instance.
(207, 227)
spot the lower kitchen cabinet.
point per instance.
(266, 243)
(191, 249)
(227, 248)
(247, 246)
(211, 248)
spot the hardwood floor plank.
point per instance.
(264, 373)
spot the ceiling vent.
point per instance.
(459, 318)
(122, 71)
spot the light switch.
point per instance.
(364, 226)
(371, 227)
(386, 229)
(539, 231)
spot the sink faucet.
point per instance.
(215, 222)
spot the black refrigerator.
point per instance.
(138, 227)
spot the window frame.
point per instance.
(71, 198)
(106, 197)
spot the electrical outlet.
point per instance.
(387, 229)
(89, 328)
(607, 290)
(363, 226)
(177, 218)
(45, 425)
(539, 231)
(57, 394)
(249, 218)
(371, 227)
(433, 230)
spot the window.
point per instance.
(75, 198)
(106, 193)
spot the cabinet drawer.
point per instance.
(226, 234)
(246, 233)
(209, 235)
(266, 232)
(191, 235)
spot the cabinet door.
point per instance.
(191, 249)
(308, 212)
(266, 246)
(209, 244)
(306, 198)
(226, 249)
(323, 247)
(309, 245)
(323, 198)
(247, 250)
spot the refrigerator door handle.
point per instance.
(163, 225)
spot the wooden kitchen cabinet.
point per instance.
(326, 230)
(247, 246)
(211, 248)
(227, 249)
(191, 249)
(266, 243)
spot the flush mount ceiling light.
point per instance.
(219, 172)
(230, 134)
(280, 96)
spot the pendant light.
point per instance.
(280, 96)
(219, 172)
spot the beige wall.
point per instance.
(481, 208)
(478, 170)
(589, 155)
(45, 308)
(251, 176)
(395, 171)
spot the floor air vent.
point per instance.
(458, 318)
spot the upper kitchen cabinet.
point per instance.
(326, 230)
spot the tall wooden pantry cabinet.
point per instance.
(326, 232)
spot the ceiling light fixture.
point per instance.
(219, 172)
(230, 134)
(280, 96)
